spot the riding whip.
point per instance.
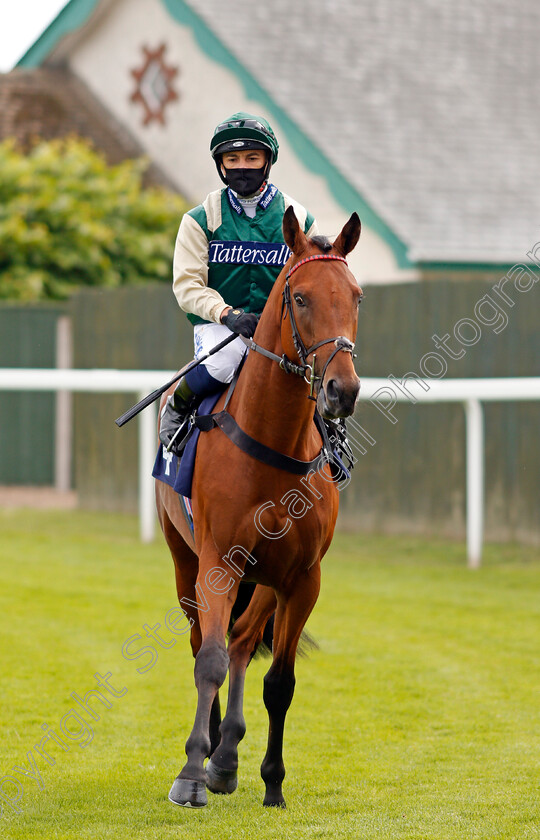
(148, 400)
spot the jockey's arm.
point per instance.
(190, 274)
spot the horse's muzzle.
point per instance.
(338, 397)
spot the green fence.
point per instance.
(27, 339)
(413, 478)
(138, 328)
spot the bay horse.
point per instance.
(258, 521)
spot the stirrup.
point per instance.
(175, 426)
(177, 443)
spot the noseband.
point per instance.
(341, 343)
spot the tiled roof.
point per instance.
(429, 108)
(52, 102)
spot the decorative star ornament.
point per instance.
(154, 88)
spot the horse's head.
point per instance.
(321, 298)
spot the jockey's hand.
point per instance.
(243, 323)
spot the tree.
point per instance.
(69, 219)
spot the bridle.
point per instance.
(341, 343)
(307, 371)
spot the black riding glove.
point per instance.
(243, 323)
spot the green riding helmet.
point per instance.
(244, 131)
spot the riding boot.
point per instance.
(175, 417)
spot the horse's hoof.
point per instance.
(273, 797)
(219, 780)
(188, 793)
(275, 801)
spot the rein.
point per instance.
(341, 343)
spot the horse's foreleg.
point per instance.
(186, 565)
(211, 663)
(292, 613)
(246, 634)
(188, 592)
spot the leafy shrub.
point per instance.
(69, 219)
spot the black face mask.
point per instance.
(245, 181)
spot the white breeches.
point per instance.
(223, 365)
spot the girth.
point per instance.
(226, 422)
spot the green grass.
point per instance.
(419, 717)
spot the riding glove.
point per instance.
(243, 323)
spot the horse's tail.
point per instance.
(264, 648)
(306, 644)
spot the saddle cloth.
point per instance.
(178, 472)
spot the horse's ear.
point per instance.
(293, 234)
(349, 236)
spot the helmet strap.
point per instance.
(217, 161)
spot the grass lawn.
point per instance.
(418, 718)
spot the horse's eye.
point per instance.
(299, 300)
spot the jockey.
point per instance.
(228, 253)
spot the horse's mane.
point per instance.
(321, 242)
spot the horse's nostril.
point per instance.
(332, 392)
(340, 398)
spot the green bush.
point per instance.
(68, 219)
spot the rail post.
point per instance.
(147, 452)
(474, 427)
